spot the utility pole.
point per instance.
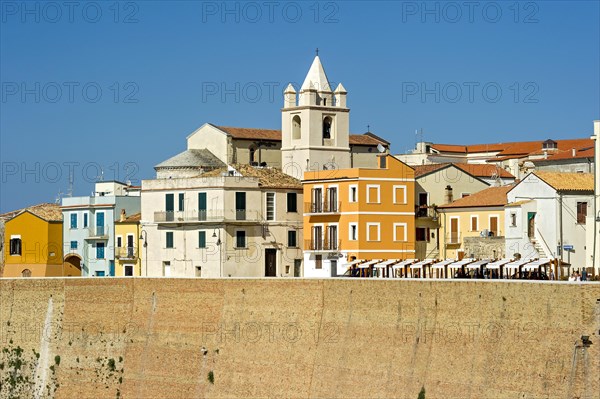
(596, 217)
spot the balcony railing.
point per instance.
(325, 207)
(127, 253)
(425, 212)
(98, 231)
(210, 215)
(322, 245)
(453, 238)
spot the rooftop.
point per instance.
(562, 181)
(136, 217)
(493, 196)
(48, 212)
(477, 170)
(267, 177)
(200, 158)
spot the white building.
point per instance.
(546, 217)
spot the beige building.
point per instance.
(436, 185)
(473, 226)
(237, 221)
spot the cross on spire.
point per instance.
(368, 128)
(317, 51)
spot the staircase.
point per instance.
(539, 249)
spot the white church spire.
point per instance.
(316, 78)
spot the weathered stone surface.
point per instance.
(485, 247)
(343, 338)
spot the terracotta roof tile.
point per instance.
(484, 170)
(46, 211)
(493, 196)
(422, 170)
(136, 217)
(244, 133)
(267, 177)
(562, 181)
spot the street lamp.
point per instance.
(214, 235)
(144, 236)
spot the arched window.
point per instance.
(296, 127)
(26, 273)
(252, 152)
(327, 127)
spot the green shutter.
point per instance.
(202, 239)
(169, 202)
(169, 239)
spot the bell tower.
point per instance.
(315, 125)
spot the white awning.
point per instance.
(536, 263)
(404, 263)
(368, 264)
(478, 264)
(461, 263)
(517, 263)
(385, 263)
(442, 264)
(498, 263)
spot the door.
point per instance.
(494, 226)
(332, 200)
(111, 270)
(130, 248)
(317, 240)
(454, 231)
(169, 206)
(128, 270)
(270, 262)
(100, 223)
(317, 200)
(297, 266)
(240, 206)
(333, 264)
(531, 224)
(201, 206)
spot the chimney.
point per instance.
(448, 197)
(573, 152)
(123, 215)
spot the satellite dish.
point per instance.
(380, 148)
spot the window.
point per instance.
(317, 237)
(373, 193)
(318, 261)
(73, 220)
(494, 231)
(400, 233)
(119, 242)
(353, 232)
(240, 205)
(332, 203)
(353, 194)
(251, 151)
(474, 223)
(372, 231)
(169, 202)
(100, 273)
(100, 250)
(169, 239)
(332, 237)
(15, 245)
(181, 201)
(327, 127)
(399, 195)
(423, 199)
(85, 219)
(73, 244)
(201, 206)
(382, 162)
(167, 269)
(270, 206)
(26, 273)
(296, 127)
(202, 239)
(581, 212)
(422, 234)
(128, 270)
(240, 239)
(292, 202)
(292, 239)
(317, 200)
(513, 219)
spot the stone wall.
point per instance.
(485, 247)
(297, 338)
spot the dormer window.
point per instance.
(549, 145)
(327, 127)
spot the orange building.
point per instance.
(358, 213)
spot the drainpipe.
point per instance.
(560, 227)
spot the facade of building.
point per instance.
(359, 213)
(473, 226)
(238, 221)
(435, 185)
(33, 244)
(547, 217)
(128, 251)
(89, 226)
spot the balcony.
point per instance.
(323, 245)
(453, 238)
(424, 211)
(329, 207)
(208, 216)
(97, 233)
(126, 253)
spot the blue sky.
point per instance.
(118, 86)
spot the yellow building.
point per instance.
(473, 226)
(359, 213)
(128, 255)
(33, 244)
